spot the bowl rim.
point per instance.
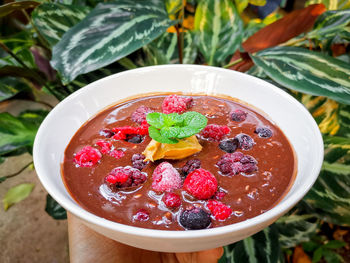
(74, 208)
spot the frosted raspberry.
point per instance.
(133, 177)
(140, 113)
(201, 184)
(141, 215)
(172, 200)
(219, 210)
(234, 163)
(117, 154)
(215, 132)
(175, 103)
(166, 178)
(219, 195)
(87, 157)
(105, 146)
(190, 166)
(138, 161)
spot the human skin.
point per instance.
(85, 245)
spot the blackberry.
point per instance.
(263, 132)
(194, 218)
(238, 115)
(138, 161)
(134, 138)
(229, 145)
(190, 166)
(245, 142)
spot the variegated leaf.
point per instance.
(219, 28)
(10, 87)
(334, 142)
(259, 248)
(18, 5)
(173, 7)
(344, 120)
(330, 4)
(53, 20)
(306, 71)
(109, 32)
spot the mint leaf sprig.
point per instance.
(168, 128)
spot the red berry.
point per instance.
(215, 132)
(143, 129)
(201, 184)
(118, 177)
(165, 178)
(219, 210)
(141, 215)
(219, 195)
(87, 157)
(140, 114)
(175, 103)
(117, 154)
(172, 200)
(122, 177)
(105, 146)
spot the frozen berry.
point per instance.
(245, 141)
(201, 184)
(138, 161)
(215, 132)
(194, 218)
(140, 113)
(106, 133)
(190, 166)
(87, 157)
(219, 210)
(172, 200)
(219, 195)
(134, 138)
(105, 147)
(263, 132)
(134, 177)
(141, 215)
(229, 145)
(165, 178)
(238, 115)
(143, 129)
(118, 177)
(175, 103)
(234, 163)
(117, 154)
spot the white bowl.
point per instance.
(66, 118)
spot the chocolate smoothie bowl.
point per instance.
(178, 158)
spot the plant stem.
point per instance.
(233, 63)
(16, 173)
(7, 50)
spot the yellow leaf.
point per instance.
(257, 2)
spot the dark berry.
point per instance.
(238, 115)
(106, 133)
(129, 177)
(229, 145)
(134, 138)
(234, 163)
(140, 114)
(138, 161)
(215, 132)
(263, 132)
(190, 166)
(172, 200)
(245, 141)
(141, 215)
(195, 218)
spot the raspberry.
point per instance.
(143, 129)
(105, 146)
(174, 103)
(229, 145)
(245, 141)
(190, 166)
(215, 132)
(133, 177)
(137, 161)
(106, 133)
(87, 157)
(122, 133)
(140, 113)
(165, 178)
(201, 184)
(219, 195)
(238, 115)
(172, 200)
(194, 218)
(141, 215)
(234, 163)
(263, 132)
(219, 210)
(117, 154)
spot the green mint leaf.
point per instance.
(195, 120)
(187, 132)
(173, 119)
(155, 134)
(155, 119)
(170, 132)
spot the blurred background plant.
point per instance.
(53, 48)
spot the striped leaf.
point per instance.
(109, 32)
(10, 87)
(330, 24)
(53, 20)
(330, 195)
(330, 4)
(344, 120)
(15, 6)
(306, 71)
(334, 142)
(219, 28)
(259, 248)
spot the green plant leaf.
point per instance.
(109, 32)
(54, 209)
(332, 257)
(173, 7)
(17, 194)
(220, 30)
(10, 87)
(53, 19)
(317, 255)
(15, 6)
(306, 71)
(334, 244)
(18, 133)
(334, 142)
(261, 247)
(330, 4)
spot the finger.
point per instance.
(206, 256)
